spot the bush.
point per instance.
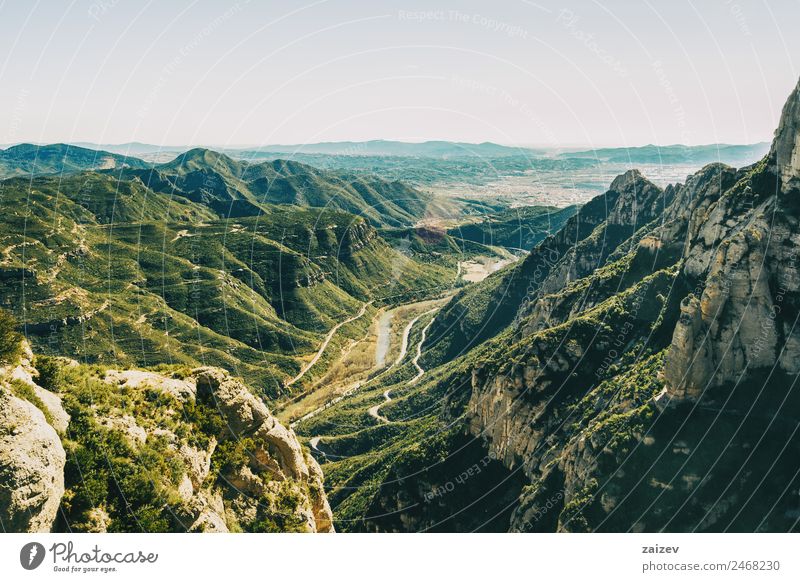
(49, 372)
(10, 338)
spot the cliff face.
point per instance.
(275, 460)
(743, 256)
(583, 245)
(149, 452)
(651, 365)
(32, 457)
(784, 156)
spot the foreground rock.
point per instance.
(275, 460)
(31, 466)
(150, 452)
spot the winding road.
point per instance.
(374, 411)
(325, 343)
(420, 371)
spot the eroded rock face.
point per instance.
(246, 415)
(245, 489)
(733, 326)
(269, 484)
(785, 151)
(24, 371)
(277, 462)
(741, 251)
(32, 463)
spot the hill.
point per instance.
(27, 159)
(233, 188)
(677, 154)
(145, 266)
(515, 228)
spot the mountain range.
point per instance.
(634, 370)
(27, 159)
(648, 154)
(676, 154)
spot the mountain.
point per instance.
(676, 154)
(133, 148)
(233, 188)
(426, 149)
(516, 228)
(162, 326)
(27, 159)
(635, 372)
(184, 263)
(228, 187)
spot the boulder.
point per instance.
(32, 463)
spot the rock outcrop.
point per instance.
(686, 295)
(248, 473)
(741, 253)
(31, 466)
(785, 152)
(277, 454)
(32, 457)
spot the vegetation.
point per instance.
(10, 338)
(136, 267)
(516, 228)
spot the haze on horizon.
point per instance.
(551, 74)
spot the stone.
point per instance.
(785, 151)
(32, 463)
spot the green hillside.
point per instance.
(237, 188)
(28, 159)
(110, 267)
(515, 228)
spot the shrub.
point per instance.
(10, 338)
(49, 372)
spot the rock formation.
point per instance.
(785, 151)
(278, 453)
(271, 480)
(686, 296)
(31, 466)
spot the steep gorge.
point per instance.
(637, 369)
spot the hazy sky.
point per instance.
(175, 72)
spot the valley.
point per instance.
(386, 345)
(266, 345)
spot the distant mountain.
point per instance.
(28, 159)
(236, 188)
(677, 154)
(427, 149)
(133, 148)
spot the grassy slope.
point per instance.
(109, 270)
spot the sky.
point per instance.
(551, 74)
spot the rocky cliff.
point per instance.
(148, 451)
(742, 253)
(646, 381)
(32, 457)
